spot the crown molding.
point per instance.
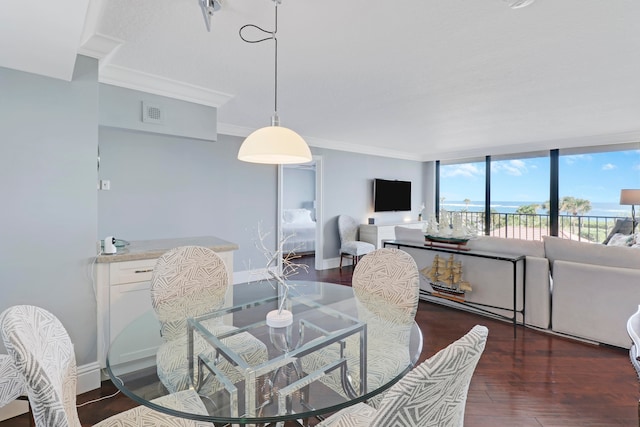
(361, 149)
(100, 46)
(242, 131)
(150, 83)
(234, 130)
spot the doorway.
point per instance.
(300, 210)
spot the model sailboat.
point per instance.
(445, 277)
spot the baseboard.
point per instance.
(13, 409)
(88, 379)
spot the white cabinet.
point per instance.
(123, 297)
(375, 234)
(128, 299)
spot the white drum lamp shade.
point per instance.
(274, 145)
(630, 197)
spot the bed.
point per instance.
(298, 231)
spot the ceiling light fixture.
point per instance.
(273, 144)
(208, 7)
(517, 4)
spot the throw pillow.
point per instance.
(622, 226)
(620, 239)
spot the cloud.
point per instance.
(636, 167)
(512, 167)
(608, 166)
(466, 170)
(575, 158)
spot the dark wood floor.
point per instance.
(536, 379)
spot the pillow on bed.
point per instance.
(296, 216)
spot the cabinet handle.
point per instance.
(144, 271)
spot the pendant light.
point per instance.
(273, 144)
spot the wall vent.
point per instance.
(152, 113)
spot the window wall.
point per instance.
(462, 186)
(590, 181)
(520, 196)
(462, 189)
(516, 192)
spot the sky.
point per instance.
(597, 177)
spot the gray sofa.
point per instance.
(584, 290)
(595, 289)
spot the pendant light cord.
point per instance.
(272, 36)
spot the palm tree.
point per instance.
(527, 209)
(582, 206)
(568, 205)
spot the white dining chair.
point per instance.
(190, 281)
(43, 354)
(434, 394)
(386, 288)
(350, 246)
(12, 384)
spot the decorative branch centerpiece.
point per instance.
(278, 277)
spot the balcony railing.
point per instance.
(584, 228)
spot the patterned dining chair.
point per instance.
(386, 287)
(43, 354)
(350, 246)
(633, 329)
(190, 281)
(434, 394)
(12, 384)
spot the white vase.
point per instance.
(280, 319)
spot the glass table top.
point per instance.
(229, 366)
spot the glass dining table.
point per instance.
(335, 353)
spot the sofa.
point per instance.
(595, 289)
(578, 289)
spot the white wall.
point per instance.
(49, 137)
(348, 189)
(162, 186)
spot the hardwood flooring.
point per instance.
(536, 379)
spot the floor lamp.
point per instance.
(631, 197)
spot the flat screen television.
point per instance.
(389, 195)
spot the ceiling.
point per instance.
(415, 79)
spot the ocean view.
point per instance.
(597, 209)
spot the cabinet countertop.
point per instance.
(149, 249)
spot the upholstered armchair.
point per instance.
(191, 281)
(43, 354)
(633, 329)
(386, 286)
(350, 246)
(434, 394)
(12, 384)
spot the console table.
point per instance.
(479, 306)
